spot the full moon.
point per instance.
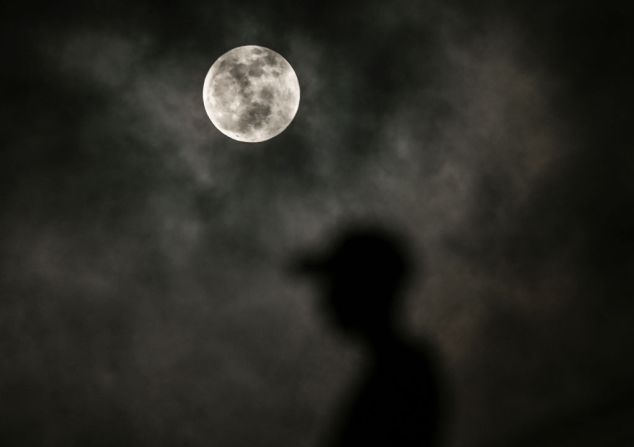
(251, 94)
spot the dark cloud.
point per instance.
(143, 296)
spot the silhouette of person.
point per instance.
(396, 402)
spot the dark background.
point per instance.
(143, 298)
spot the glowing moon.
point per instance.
(251, 94)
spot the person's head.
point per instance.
(362, 275)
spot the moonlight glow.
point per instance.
(251, 93)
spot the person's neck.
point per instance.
(382, 341)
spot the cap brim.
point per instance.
(310, 266)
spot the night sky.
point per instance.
(144, 299)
